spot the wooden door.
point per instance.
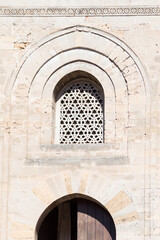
(93, 222)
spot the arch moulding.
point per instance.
(110, 60)
(78, 37)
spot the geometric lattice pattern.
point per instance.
(81, 114)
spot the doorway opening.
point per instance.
(77, 219)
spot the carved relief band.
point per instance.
(78, 12)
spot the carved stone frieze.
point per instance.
(78, 12)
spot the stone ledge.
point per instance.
(76, 147)
(121, 160)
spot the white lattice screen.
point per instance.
(81, 114)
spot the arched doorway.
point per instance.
(77, 219)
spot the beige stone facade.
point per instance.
(119, 45)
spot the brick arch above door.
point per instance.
(115, 198)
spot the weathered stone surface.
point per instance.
(123, 54)
(120, 201)
(127, 218)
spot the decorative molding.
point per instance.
(80, 12)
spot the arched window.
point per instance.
(80, 113)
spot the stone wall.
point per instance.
(121, 49)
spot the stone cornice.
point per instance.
(79, 11)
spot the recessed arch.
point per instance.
(121, 52)
(77, 74)
(90, 68)
(116, 50)
(92, 71)
(97, 221)
(99, 53)
(109, 59)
